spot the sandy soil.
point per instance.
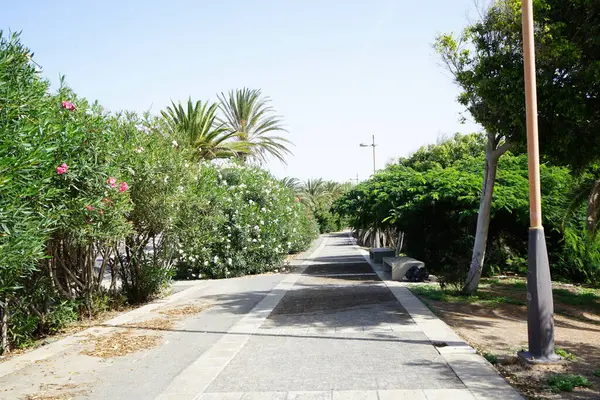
(501, 329)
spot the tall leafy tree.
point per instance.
(197, 128)
(487, 64)
(446, 152)
(249, 116)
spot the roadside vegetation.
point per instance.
(101, 209)
(461, 205)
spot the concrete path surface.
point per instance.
(336, 328)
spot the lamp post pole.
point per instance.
(371, 145)
(540, 306)
(374, 167)
(376, 242)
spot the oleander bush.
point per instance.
(250, 222)
(98, 208)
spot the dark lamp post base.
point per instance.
(540, 305)
(531, 359)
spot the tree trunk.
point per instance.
(592, 208)
(4, 326)
(492, 155)
(376, 242)
(400, 243)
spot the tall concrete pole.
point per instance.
(374, 165)
(540, 305)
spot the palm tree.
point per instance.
(251, 119)
(198, 128)
(318, 193)
(292, 183)
(336, 190)
(315, 193)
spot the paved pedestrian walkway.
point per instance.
(334, 329)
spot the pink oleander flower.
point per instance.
(112, 182)
(61, 169)
(67, 105)
(90, 208)
(124, 186)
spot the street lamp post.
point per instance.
(540, 306)
(376, 241)
(371, 145)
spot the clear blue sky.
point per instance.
(337, 71)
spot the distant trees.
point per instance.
(437, 206)
(319, 195)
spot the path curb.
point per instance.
(476, 373)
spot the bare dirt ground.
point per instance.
(495, 323)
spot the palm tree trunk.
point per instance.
(592, 208)
(4, 327)
(492, 155)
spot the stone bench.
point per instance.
(400, 266)
(377, 255)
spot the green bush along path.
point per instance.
(101, 209)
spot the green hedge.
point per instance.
(249, 223)
(437, 210)
(79, 184)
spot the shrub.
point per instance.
(38, 310)
(158, 172)
(84, 191)
(25, 165)
(567, 382)
(249, 222)
(437, 210)
(579, 259)
(303, 230)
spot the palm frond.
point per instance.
(250, 116)
(198, 128)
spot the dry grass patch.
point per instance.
(153, 324)
(49, 388)
(119, 344)
(77, 326)
(182, 311)
(49, 397)
(125, 342)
